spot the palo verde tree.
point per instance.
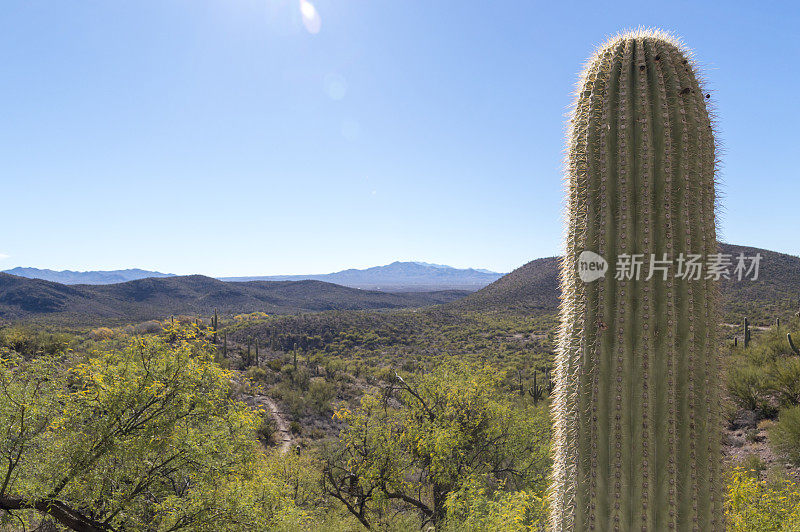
(141, 438)
(417, 444)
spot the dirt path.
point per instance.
(739, 326)
(260, 401)
(284, 435)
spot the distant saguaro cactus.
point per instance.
(637, 441)
(793, 347)
(215, 326)
(746, 333)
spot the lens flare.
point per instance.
(311, 19)
(335, 86)
(351, 129)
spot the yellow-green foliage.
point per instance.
(30, 341)
(784, 436)
(144, 438)
(416, 444)
(474, 508)
(755, 505)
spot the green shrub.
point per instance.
(28, 341)
(784, 436)
(266, 429)
(785, 381)
(475, 508)
(148, 327)
(259, 375)
(753, 465)
(293, 399)
(748, 388)
(142, 437)
(320, 395)
(761, 506)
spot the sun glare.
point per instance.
(311, 19)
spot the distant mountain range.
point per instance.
(532, 288)
(395, 277)
(154, 297)
(94, 277)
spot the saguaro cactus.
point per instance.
(746, 333)
(794, 348)
(637, 442)
(215, 326)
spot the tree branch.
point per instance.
(59, 511)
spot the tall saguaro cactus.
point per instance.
(637, 442)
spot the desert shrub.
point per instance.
(785, 380)
(761, 505)
(433, 443)
(335, 369)
(101, 333)
(266, 429)
(300, 379)
(30, 342)
(751, 435)
(259, 375)
(293, 399)
(766, 373)
(295, 428)
(477, 508)
(144, 437)
(320, 395)
(748, 387)
(297, 377)
(785, 434)
(752, 464)
(148, 327)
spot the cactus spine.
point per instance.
(637, 442)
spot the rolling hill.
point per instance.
(534, 287)
(143, 299)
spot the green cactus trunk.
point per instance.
(794, 348)
(637, 443)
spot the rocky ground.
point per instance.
(747, 436)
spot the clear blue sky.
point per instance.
(223, 137)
